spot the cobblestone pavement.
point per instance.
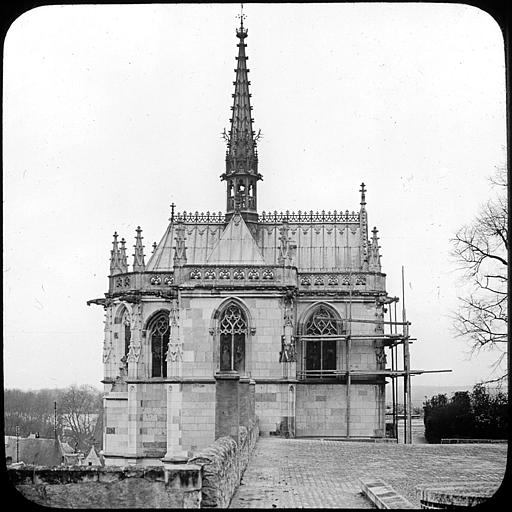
(325, 473)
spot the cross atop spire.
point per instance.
(241, 172)
(242, 17)
(363, 196)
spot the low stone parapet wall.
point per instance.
(209, 479)
(223, 464)
(455, 494)
(473, 441)
(110, 487)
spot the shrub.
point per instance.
(466, 415)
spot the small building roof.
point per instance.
(92, 458)
(37, 451)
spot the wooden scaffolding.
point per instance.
(398, 336)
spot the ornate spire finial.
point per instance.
(363, 196)
(115, 257)
(241, 33)
(172, 211)
(138, 256)
(374, 252)
(122, 256)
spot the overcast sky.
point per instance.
(113, 112)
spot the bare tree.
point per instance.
(79, 408)
(481, 248)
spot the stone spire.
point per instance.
(138, 256)
(115, 257)
(363, 229)
(374, 259)
(241, 173)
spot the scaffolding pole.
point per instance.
(407, 368)
(349, 342)
(393, 391)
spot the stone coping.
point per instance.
(473, 441)
(456, 494)
(382, 495)
(385, 440)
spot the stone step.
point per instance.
(383, 495)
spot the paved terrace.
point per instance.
(324, 473)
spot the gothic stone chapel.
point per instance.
(263, 301)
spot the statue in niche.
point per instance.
(381, 358)
(287, 354)
(123, 369)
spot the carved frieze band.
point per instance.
(237, 274)
(332, 279)
(154, 280)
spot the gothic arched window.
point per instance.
(159, 336)
(233, 330)
(321, 352)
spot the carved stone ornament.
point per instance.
(360, 280)
(238, 274)
(119, 282)
(319, 280)
(134, 352)
(156, 280)
(268, 274)
(305, 281)
(209, 274)
(174, 352)
(107, 350)
(168, 280)
(107, 343)
(381, 357)
(287, 354)
(195, 274)
(224, 274)
(333, 281)
(253, 275)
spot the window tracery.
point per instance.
(320, 357)
(321, 322)
(159, 337)
(233, 331)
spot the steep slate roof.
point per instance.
(320, 245)
(236, 246)
(200, 240)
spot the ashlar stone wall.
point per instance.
(322, 410)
